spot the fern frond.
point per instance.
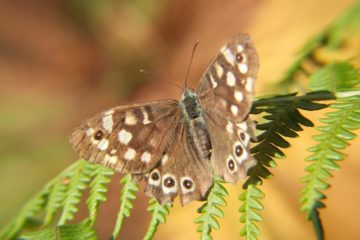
(60, 185)
(30, 210)
(249, 211)
(332, 37)
(159, 213)
(78, 181)
(98, 189)
(282, 119)
(81, 230)
(127, 197)
(339, 76)
(334, 137)
(212, 210)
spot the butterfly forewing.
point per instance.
(227, 86)
(127, 138)
(226, 91)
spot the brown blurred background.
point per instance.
(62, 61)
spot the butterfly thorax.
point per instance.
(194, 119)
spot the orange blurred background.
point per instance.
(62, 61)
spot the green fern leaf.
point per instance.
(249, 211)
(30, 210)
(159, 213)
(282, 119)
(127, 197)
(335, 77)
(79, 180)
(98, 189)
(332, 37)
(65, 232)
(211, 210)
(57, 195)
(333, 139)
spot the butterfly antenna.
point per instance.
(144, 71)
(192, 56)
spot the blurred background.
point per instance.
(62, 61)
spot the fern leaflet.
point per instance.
(159, 213)
(211, 210)
(127, 196)
(251, 204)
(81, 230)
(78, 181)
(98, 189)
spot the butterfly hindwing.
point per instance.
(182, 172)
(127, 138)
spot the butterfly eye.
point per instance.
(238, 150)
(188, 184)
(98, 135)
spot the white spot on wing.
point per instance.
(240, 48)
(103, 144)
(219, 70)
(242, 125)
(90, 132)
(130, 119)
(130, 154)
(249, 84)
(124, 136)
(107, 121)
(230, 79)
(146, 157)
(146, 117)
(164, 159)
(113, 160)
(229, 56)
(213, 82)
(230, 127)
(234, 110)
(238, 95)
(243, 67)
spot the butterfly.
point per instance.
(177, 147)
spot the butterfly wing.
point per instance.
(127, 138)
(226, 92)
(182, 171)
(227, 86)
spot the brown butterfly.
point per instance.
(178, 146)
